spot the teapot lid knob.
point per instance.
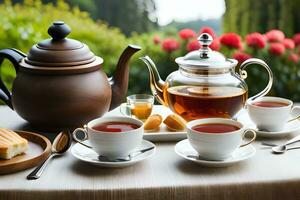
(205, 40)
(59, 30)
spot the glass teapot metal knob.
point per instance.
(205, 40)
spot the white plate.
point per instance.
(163, 134)
(88, 155)
(184, 150)
(290, 128)
(166, 135)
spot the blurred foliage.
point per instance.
(130, 16)
(244, 17)
(215, 24)
(286, 74)
(165, 62)
(25, 25)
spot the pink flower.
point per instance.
(215, 45)
(275, 36)
(288, 43)
(296, 38)
(170, 45)
(210, 31)
(256, 40)
(193, 45)
(186, 34)
(156, 39)
(276, 49)
(293, 57)
(241, 56)
(231, 40)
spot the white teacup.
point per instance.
(217, 146)
(112, 144)
(270, 118)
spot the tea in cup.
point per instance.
(138, 106)
(270, 113)
(217, 138)
(112, 136)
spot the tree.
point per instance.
(262, 15)
(130, 16)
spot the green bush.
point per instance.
(21, 26)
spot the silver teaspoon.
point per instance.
(61, 144)
(282, 149)
(295, 118)
(126, 158)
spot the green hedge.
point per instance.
(21, 26)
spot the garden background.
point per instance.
(266, 29)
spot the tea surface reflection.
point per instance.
(215, 128)
(115, 127)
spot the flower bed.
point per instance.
(281, 54)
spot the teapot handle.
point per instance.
(243, 75)
(14, 56)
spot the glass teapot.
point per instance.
(206, 84)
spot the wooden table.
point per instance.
(164, 176)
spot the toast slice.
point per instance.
(11, 144)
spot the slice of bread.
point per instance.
(11, 144)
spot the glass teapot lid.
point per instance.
(205, 58)
(60, 51)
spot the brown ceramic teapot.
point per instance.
(61, 84)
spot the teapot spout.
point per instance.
(119, 81)
(156, 83)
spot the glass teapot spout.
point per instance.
(157, 85)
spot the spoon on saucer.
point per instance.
(295, 118)
(126, 158)
(282, 149)
(61, 144)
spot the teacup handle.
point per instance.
(243, 75)
(252, 139)
(80, 141)
(294, 113)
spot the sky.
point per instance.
(187, 10)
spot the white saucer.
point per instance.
(289, 128)
(184, 149)
(88, 155)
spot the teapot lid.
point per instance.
(205, 58)
(60, 51)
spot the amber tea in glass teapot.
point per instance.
(206, 84)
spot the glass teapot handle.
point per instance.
(243, 75)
